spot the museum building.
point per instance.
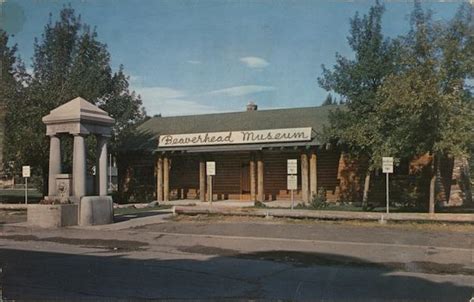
(250, 150)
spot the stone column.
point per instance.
(304, 177)
(79, 166)
(166, 179)
(54, 163)
(253, 180)
(101, 166)
(202, 180)
(159, 178)
(260, 192)
(313, 174)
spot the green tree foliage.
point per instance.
(358, 81)
(426, 106)
(68, 62)
(12, 80)
(329, 101)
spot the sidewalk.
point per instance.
(324, 215)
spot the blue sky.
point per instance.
(192, 57)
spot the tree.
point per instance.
(12, 79)
(358, 81)
(329, 100)
(425, 108)
(68, 62)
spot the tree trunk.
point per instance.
(433, 185)
(365, 197)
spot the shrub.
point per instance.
(319, 200)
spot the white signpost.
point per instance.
(210, 172)
(387, 168)
(26, 171)
(292, 179)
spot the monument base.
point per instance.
(52, 215)
(96, 210)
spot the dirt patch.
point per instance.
(209, 250)
(107, 244)
(305, 259)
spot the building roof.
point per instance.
(314, 117)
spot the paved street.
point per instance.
(240, 258)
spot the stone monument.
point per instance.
(78, 118)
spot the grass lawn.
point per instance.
(18, 196)
(382, 209)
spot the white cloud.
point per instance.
(241, 90)
(194, 62)
(254, 62)
(169, 102)
(160, 93)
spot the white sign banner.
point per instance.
(211, 168)
(235, 137)
(292, 167)
(26, 171)
(387, 164)
(292, 182)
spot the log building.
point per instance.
(250, 150)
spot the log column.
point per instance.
(253, 179)
(304, 177)
(79, 166)
(260, 192)
(159, 178)
(54, 163)
(166, 179)
(313, 174)
(202, 180)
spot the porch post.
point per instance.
(313, 168)
(166, 179)
(252, 178)
(159, 178)
(260, 192)
(202, 180)
(304, 177)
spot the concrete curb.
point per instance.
(326, 215)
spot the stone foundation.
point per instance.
(52, 216)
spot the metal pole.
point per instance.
(210, 188)
(388, 204)
(26, 190)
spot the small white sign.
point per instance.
(292, 166)
(211, 168)
(292, 182)
(26, 171)
(387, 164)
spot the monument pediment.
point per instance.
(78, 116)
(78, 110)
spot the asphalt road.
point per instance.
(210, 259)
